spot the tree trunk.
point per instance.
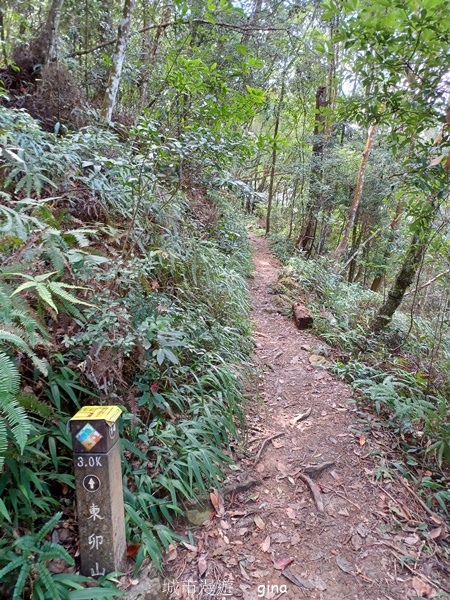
(149, 53)
(404, 279)
(274, 156)
(105, 26)
(356, 241)
(343, 245)
(381, 272)
(123, 31)
(2, 35)
(305, 240)
(45, 46)
(292, 206)
(376, 283)
(252, 21)
(331, 77)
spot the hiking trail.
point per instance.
(270, 539)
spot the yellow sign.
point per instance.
(110, 414)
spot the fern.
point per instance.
(19, 343)
(12, 415)
(35, 552)
(48, 289)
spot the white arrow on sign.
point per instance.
(91, 483)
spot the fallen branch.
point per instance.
(300, 417)
(315, 470)
(315, 491)
(405, 565)
(422, 503)
(264, 444)
(424, 285)
(344, 497)
(240, 486)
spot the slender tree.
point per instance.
(274, 153)
(109, 102)
(343, 245)
(306, 239)
(44, 46)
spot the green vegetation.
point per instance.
(115, 287)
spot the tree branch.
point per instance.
(242, 28)
(421, 287)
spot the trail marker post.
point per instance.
(98, 479)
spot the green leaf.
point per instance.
(94, 594)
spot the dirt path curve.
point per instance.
(270, 521)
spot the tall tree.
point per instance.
(306, 239)
(275, 143)
(44, 46)
(343, 245)
(123, 31)
(411, 262)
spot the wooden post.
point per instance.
(98, 479)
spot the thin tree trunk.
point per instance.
(149, 53)
(305, 240)
(274, 156)
(105, 28)
(343, 245)
(356, 241)
(123, 31)
(252, 21)
(377, 282)
(2, 35)
(293, 196)
(45, 46)
(331, 78)
(404, 279)
(379, 277)
(408, 270)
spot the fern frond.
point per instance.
(55, 256)
(46, 579)
(18, 342)
(12, 415)
(9, 376)
(29, 324)
(45, 295)
(58, 290)
(30, 403)
(21, 581)
(47, 528)
(15, 564)
(71, 309)
(52, 550)
(16, 417)
(3, 447)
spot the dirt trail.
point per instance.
(351, 549)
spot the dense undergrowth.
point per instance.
(122, 282)
(402, 375)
